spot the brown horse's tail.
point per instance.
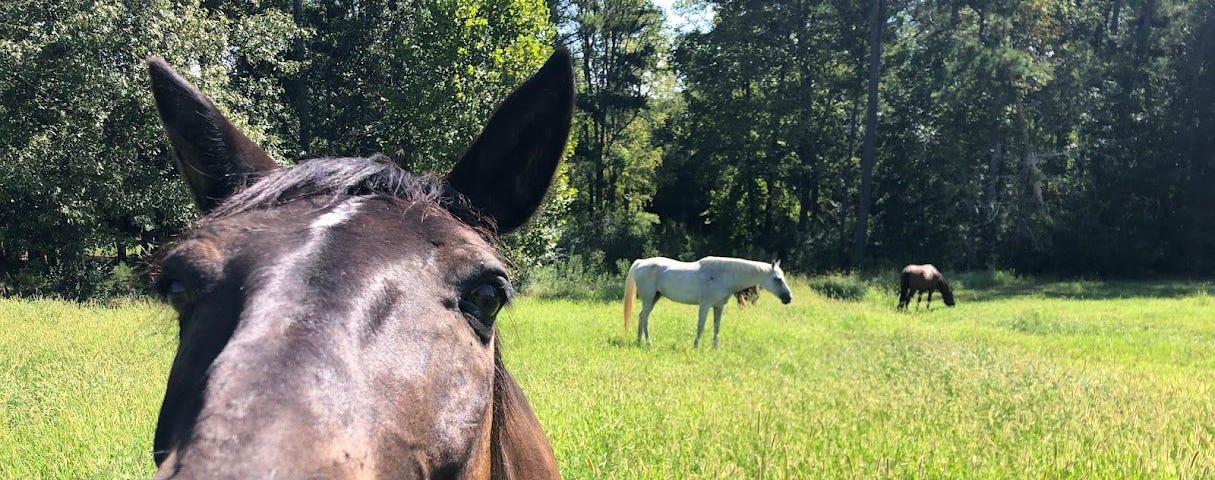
(905, 290)
(630, 295)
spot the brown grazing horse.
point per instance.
(920, 279)
(747, 296)
(337, 318)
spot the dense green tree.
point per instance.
(877, 21)
(1042, 136)
(623, 90)
(769, 127)
(83, 167)
(1017, 133)
(85, 171)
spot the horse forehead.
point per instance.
(423, 227)
(308, 249)
(393, 223)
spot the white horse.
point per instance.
(708, 282)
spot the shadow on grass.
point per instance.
(621, 342)
(987, 285)
(1093, 289)
(579, 293)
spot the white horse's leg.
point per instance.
(643, 325)
(717, 309)
(700, 324)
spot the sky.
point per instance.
(682, 19)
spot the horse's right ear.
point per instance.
(507, 171)
(215, 159)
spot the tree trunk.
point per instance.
(298, 87)
(870, 143)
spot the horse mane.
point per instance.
(737, 264)
(334, 177)
(518, 446)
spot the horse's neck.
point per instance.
(745, 273)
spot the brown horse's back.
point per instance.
(921, 277)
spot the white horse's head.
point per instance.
(775, 283)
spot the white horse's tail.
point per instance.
(630, 295)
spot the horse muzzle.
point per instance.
(786, 299)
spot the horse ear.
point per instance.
(507, 170)
(215, 158)
(519, 448)
(776, 263)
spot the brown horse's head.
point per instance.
(337, 318)
(747, 296)
(946, 291)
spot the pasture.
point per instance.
(1022, 379)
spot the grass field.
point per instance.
(1022, 379)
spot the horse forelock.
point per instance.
(335, 178)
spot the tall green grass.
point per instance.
(1022, 379)
(80, 387)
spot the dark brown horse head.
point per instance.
(747, 296)
(337, 318)
(946, 291)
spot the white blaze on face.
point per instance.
(283, 277)
(333, 218)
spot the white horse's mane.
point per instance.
(737, 265)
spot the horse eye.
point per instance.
(484, 301)
(175, 292)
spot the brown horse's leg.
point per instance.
(929, 307)
(918, 297)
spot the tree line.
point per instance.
(1067, 137)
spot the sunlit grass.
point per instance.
(80, 387)
(1022, 379)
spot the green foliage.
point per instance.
(83, 163)
(839, 286)
(765, 133)
(619, 46)
(415, 79)
(986, 279)
(574, 279)
(1019, 134)
(123, 281)
(1015, 134)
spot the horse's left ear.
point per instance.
(507, 171)
(776, 263)
(214, 157)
